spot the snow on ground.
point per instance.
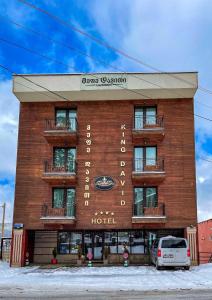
(139, 278)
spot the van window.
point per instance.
(176, 243)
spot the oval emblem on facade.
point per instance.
(104, 183)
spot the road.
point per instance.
(19, 293)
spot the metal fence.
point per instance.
(5, 249)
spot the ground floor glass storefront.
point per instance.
(137, 241)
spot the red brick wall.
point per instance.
(205, 240)
(177, 191)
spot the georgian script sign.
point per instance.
(102, 81)
(104, 183)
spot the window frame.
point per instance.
(66, 156)
(144, 196)
(144, 107)
(65, 195)
(144, 154)
(67, 110)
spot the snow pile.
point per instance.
(139, 278)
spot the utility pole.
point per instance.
(3, 219)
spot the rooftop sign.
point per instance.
(101, 81)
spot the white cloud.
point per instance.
(171, 36)
(7, 196)
(8, 129)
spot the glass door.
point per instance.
(98, 246)
(72, 114)
(151, 156)
(151, 116)
(139, 159)
(70, 203)
(139, 118)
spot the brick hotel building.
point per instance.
(103, 160)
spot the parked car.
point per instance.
(170, 251)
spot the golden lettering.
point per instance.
(123, 202)
(122, 182)
(88, 134)
(110, 220)
(103, 221)
(87, 172)
(123, 134)
(88, 142)
(87, 179)
(123, 142)
(123, 149)
(86, 202)
(88, 127)
(122, 163)
(122, 193)
(93, 220)
(87, 195)
(87, 164)
(123, 126)
(88, 150)
(87, 187)
(122, 173)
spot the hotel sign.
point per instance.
(103, 81)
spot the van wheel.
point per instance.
(158, 267)
(187, 268)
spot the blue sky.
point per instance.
(170, 35)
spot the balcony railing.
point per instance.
(151, 214)
(69, 125)
(153, 211)
(51, 168)
(148, 122)
(148, 165)
(58, 213)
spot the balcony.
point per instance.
(148, 171)
(148, 130)
(65, 132)
(51, 215)
(60, 175)
(149, 214)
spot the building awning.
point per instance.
(104, 86)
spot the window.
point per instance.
(173, 243)
(144, 156)
(69, 242)
(144, 197)
(64, 159)
(123, 239)
(64, 198)
(66, 118)
(145, 116)
(137, 242)
(111, 240)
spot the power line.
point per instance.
(61, 63)
(104, 44)
(39, 34)
(27, 79)
(12, 72)
(205, 159)
(208, 106)
(64, 64)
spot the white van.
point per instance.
(170, 251)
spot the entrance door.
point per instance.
(97, 245)
(93, 242)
